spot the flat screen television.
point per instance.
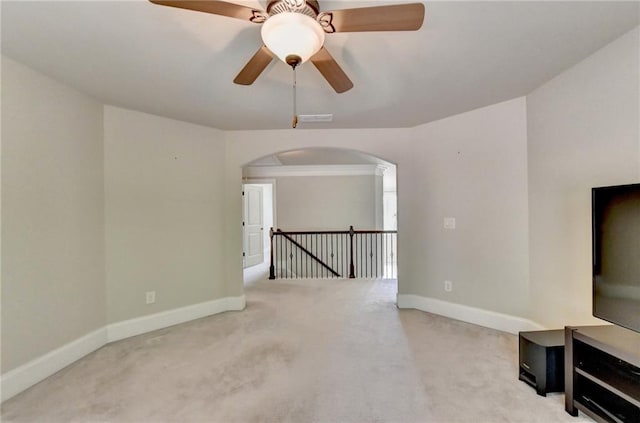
(616, 254)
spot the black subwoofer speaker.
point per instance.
(542, 360)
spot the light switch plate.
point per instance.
(449, 222)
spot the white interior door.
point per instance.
(253, 225)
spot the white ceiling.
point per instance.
(180, 64)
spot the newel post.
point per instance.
(272, 270)
(352, 274)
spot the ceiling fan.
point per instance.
(294, 31)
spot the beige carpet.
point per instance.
(302, 351)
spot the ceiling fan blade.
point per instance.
(399, 17)
(331, 71)
(254, 67)
(217, 8)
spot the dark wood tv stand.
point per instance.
(602, 373)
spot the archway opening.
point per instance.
(315, 196)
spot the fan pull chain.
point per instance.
(294, 123)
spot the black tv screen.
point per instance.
(616, 254)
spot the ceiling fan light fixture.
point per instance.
(290, 34)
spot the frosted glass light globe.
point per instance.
(292, 34)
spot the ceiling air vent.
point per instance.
(315, 118)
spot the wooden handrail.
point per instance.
(373, 231)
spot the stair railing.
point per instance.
(333, 254)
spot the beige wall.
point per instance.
(583, 131)
(100, 205)
(471, 166)
(327, 202)
(52, 215)
(164, 196)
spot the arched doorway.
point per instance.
(314, 190)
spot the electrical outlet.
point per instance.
(448, 286)
(151, 297)
(449, 222)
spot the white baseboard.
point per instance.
(144, 324)
(27, 375)
(477, 316)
